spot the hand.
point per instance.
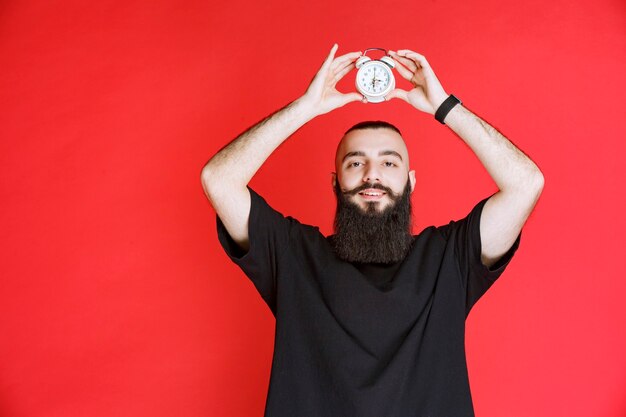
(321, 95)
(427, 94)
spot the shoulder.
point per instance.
(265, 214)
(430, 238)
(471, 218)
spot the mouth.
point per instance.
(372, 194)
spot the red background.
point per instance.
(116, 299)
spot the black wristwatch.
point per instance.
(445, 108)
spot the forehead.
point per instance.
(371, 142)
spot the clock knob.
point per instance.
(362, 60)
(387, 60)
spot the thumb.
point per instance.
(331, 56)
(397, 93)
(350, 97)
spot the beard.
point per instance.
(372, 236)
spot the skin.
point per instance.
(520, 182)
(372, 156)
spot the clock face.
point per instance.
(375, 78)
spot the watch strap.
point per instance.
(445, 108)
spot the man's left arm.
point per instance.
(518, 178)
(519, 182)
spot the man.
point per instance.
(370, 321)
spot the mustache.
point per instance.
(362, 187)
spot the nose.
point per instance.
(371, 174)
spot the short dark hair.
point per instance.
(373, 124)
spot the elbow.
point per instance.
(206, 178)
(217, 184)
(534, 185)
(529, 183)
(205, 172)
(538, 181)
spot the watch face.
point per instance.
(375, 79)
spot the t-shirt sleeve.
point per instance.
(268, 233)
(476, 277)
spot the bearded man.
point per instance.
(370, 321)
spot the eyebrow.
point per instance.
(381, 153)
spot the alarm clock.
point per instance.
(374, 78)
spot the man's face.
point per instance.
(371, 164)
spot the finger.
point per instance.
(331, 55)
(344, 59)
(350, 97)
(404, 72)
(414, 56)
(341, 67)
(343, 72)
(398, 93)
(405, 61)
(405, 52)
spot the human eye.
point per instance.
(355, 164)
(389, 164)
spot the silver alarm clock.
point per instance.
(374, 78)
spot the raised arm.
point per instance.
(519, 180)
(225, 177)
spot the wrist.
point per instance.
(305, 108)
(438, 101)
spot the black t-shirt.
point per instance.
(366, 340)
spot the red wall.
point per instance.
(115, 298)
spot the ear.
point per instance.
(333, 179)
(412, 179)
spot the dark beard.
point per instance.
(372, 236)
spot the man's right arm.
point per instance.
(226, 176)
